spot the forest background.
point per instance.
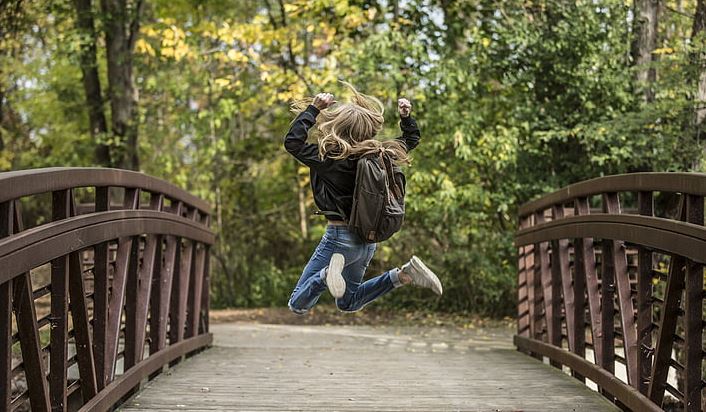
(514, 98)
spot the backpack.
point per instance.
(378, 198)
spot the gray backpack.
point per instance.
(378, 199)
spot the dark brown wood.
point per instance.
(124, 266)
(561, 275)
(616, 261)
(607, 361)
(693, 316)
(6, 214)
(137, 322)
(550, 290)
(195, 289)
(645, 203)
(206, 292)
(669, 312)
(628, 395)
(162, 292)
(100, 294)
(585, 263)
(81, 325)
(62, 242)
(124, 384)
(59, 325)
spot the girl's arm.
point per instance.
(410, 131)
(295, 140)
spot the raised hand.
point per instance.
(323, 101)
(404, 107)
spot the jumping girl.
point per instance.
(346, 132)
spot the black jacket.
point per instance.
(333, 181)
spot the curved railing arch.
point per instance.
(588, 269)
(119, 291)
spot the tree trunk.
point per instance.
(698, 59)
(120, 35)
(645, 24)
(91, 80)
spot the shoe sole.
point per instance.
(417, 263)
(335, 282)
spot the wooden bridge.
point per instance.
(104, 279)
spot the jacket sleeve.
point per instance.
(295, 140)
(410, 132)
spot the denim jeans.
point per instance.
(357, 254)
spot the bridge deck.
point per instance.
(283, 367)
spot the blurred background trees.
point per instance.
(514, 98)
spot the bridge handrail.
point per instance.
(129, 276)
(676, 182)
(20, 183)
(579, 268)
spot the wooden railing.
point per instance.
(617, 296)
(102, 299)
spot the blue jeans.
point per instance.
(357, 254)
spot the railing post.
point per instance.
(693, 316)
(59, 311)
(100, 295)
(550, 291)
(6, 213)
(645, 203)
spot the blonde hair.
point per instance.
(349, 129)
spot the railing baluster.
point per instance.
(6, 213)
(100, 295)
(23, 305)
(607, 362)
(161, 296)
(137, 323)
(59, 311)
(693, 313)
(186, 268)
(195, 288)
(645, 203)
(668, 323)
(125, 264)
(617, 262)
(550, 291)
(81, 326)
(205, 295)
(561, 274)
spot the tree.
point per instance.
(645, 29)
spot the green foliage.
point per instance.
(514, 98)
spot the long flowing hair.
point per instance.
(349, 129)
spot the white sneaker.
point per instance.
(422, 276)
(335, 282)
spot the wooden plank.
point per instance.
(205, 295)
(255, 364)
(125, 261)
(693, 316)
(59, 325)
(562, 275)
(550, 290)
(645, 202)
(523, 313)
(162, 289)
(669, 312)
(180, 289)
(617, 261)
(135, 328)
(100, 295)
(81, 325)
(26, 317)
(6, 213)
(607, 361)
(195, 289)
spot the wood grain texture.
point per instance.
(282, 367)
